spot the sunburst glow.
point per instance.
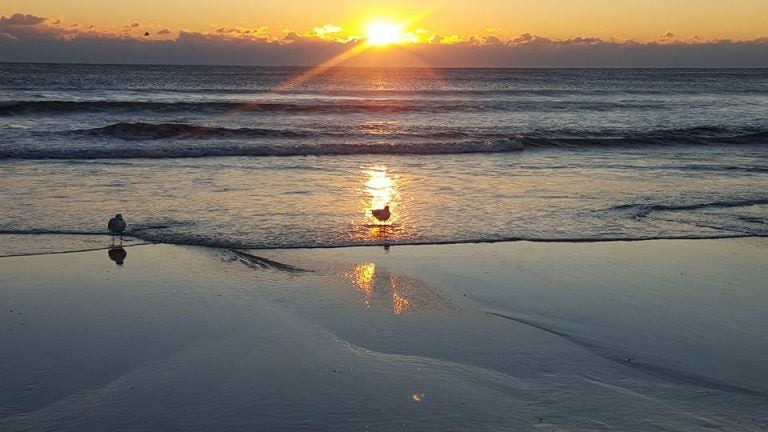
(384, 32)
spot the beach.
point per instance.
(643, 336)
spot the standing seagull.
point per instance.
(381, 214)
(116, 226)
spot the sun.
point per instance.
(383, 32)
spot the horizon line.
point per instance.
(2, 62)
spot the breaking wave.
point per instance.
(179, 140)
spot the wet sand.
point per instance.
(656, 335)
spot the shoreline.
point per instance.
(234, 246)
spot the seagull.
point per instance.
(381, 214)
(116, 226)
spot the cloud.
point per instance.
(448, 40)
(29, 38)
(668, 37)
(479, 40)
(326, 31)
(529, 39)
(23, 27)
(292, 36)
(21, 20)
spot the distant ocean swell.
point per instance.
(414, 105)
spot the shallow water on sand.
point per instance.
(279, 157)
(320, 201)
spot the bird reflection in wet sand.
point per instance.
(117, 254)
(396, 293)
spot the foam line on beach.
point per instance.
(196, 240)
(228, 244)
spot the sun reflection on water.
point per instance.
(381, 192)
(363, 276)
(379, 196)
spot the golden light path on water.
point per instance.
(381, 191)
(380, 188)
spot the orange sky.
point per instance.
(559, 19)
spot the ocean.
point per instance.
(250, 157)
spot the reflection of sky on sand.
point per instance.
(400, 304)
(396, 293)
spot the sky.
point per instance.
(506, 33)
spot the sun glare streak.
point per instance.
(306, 76)
(382, 33)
